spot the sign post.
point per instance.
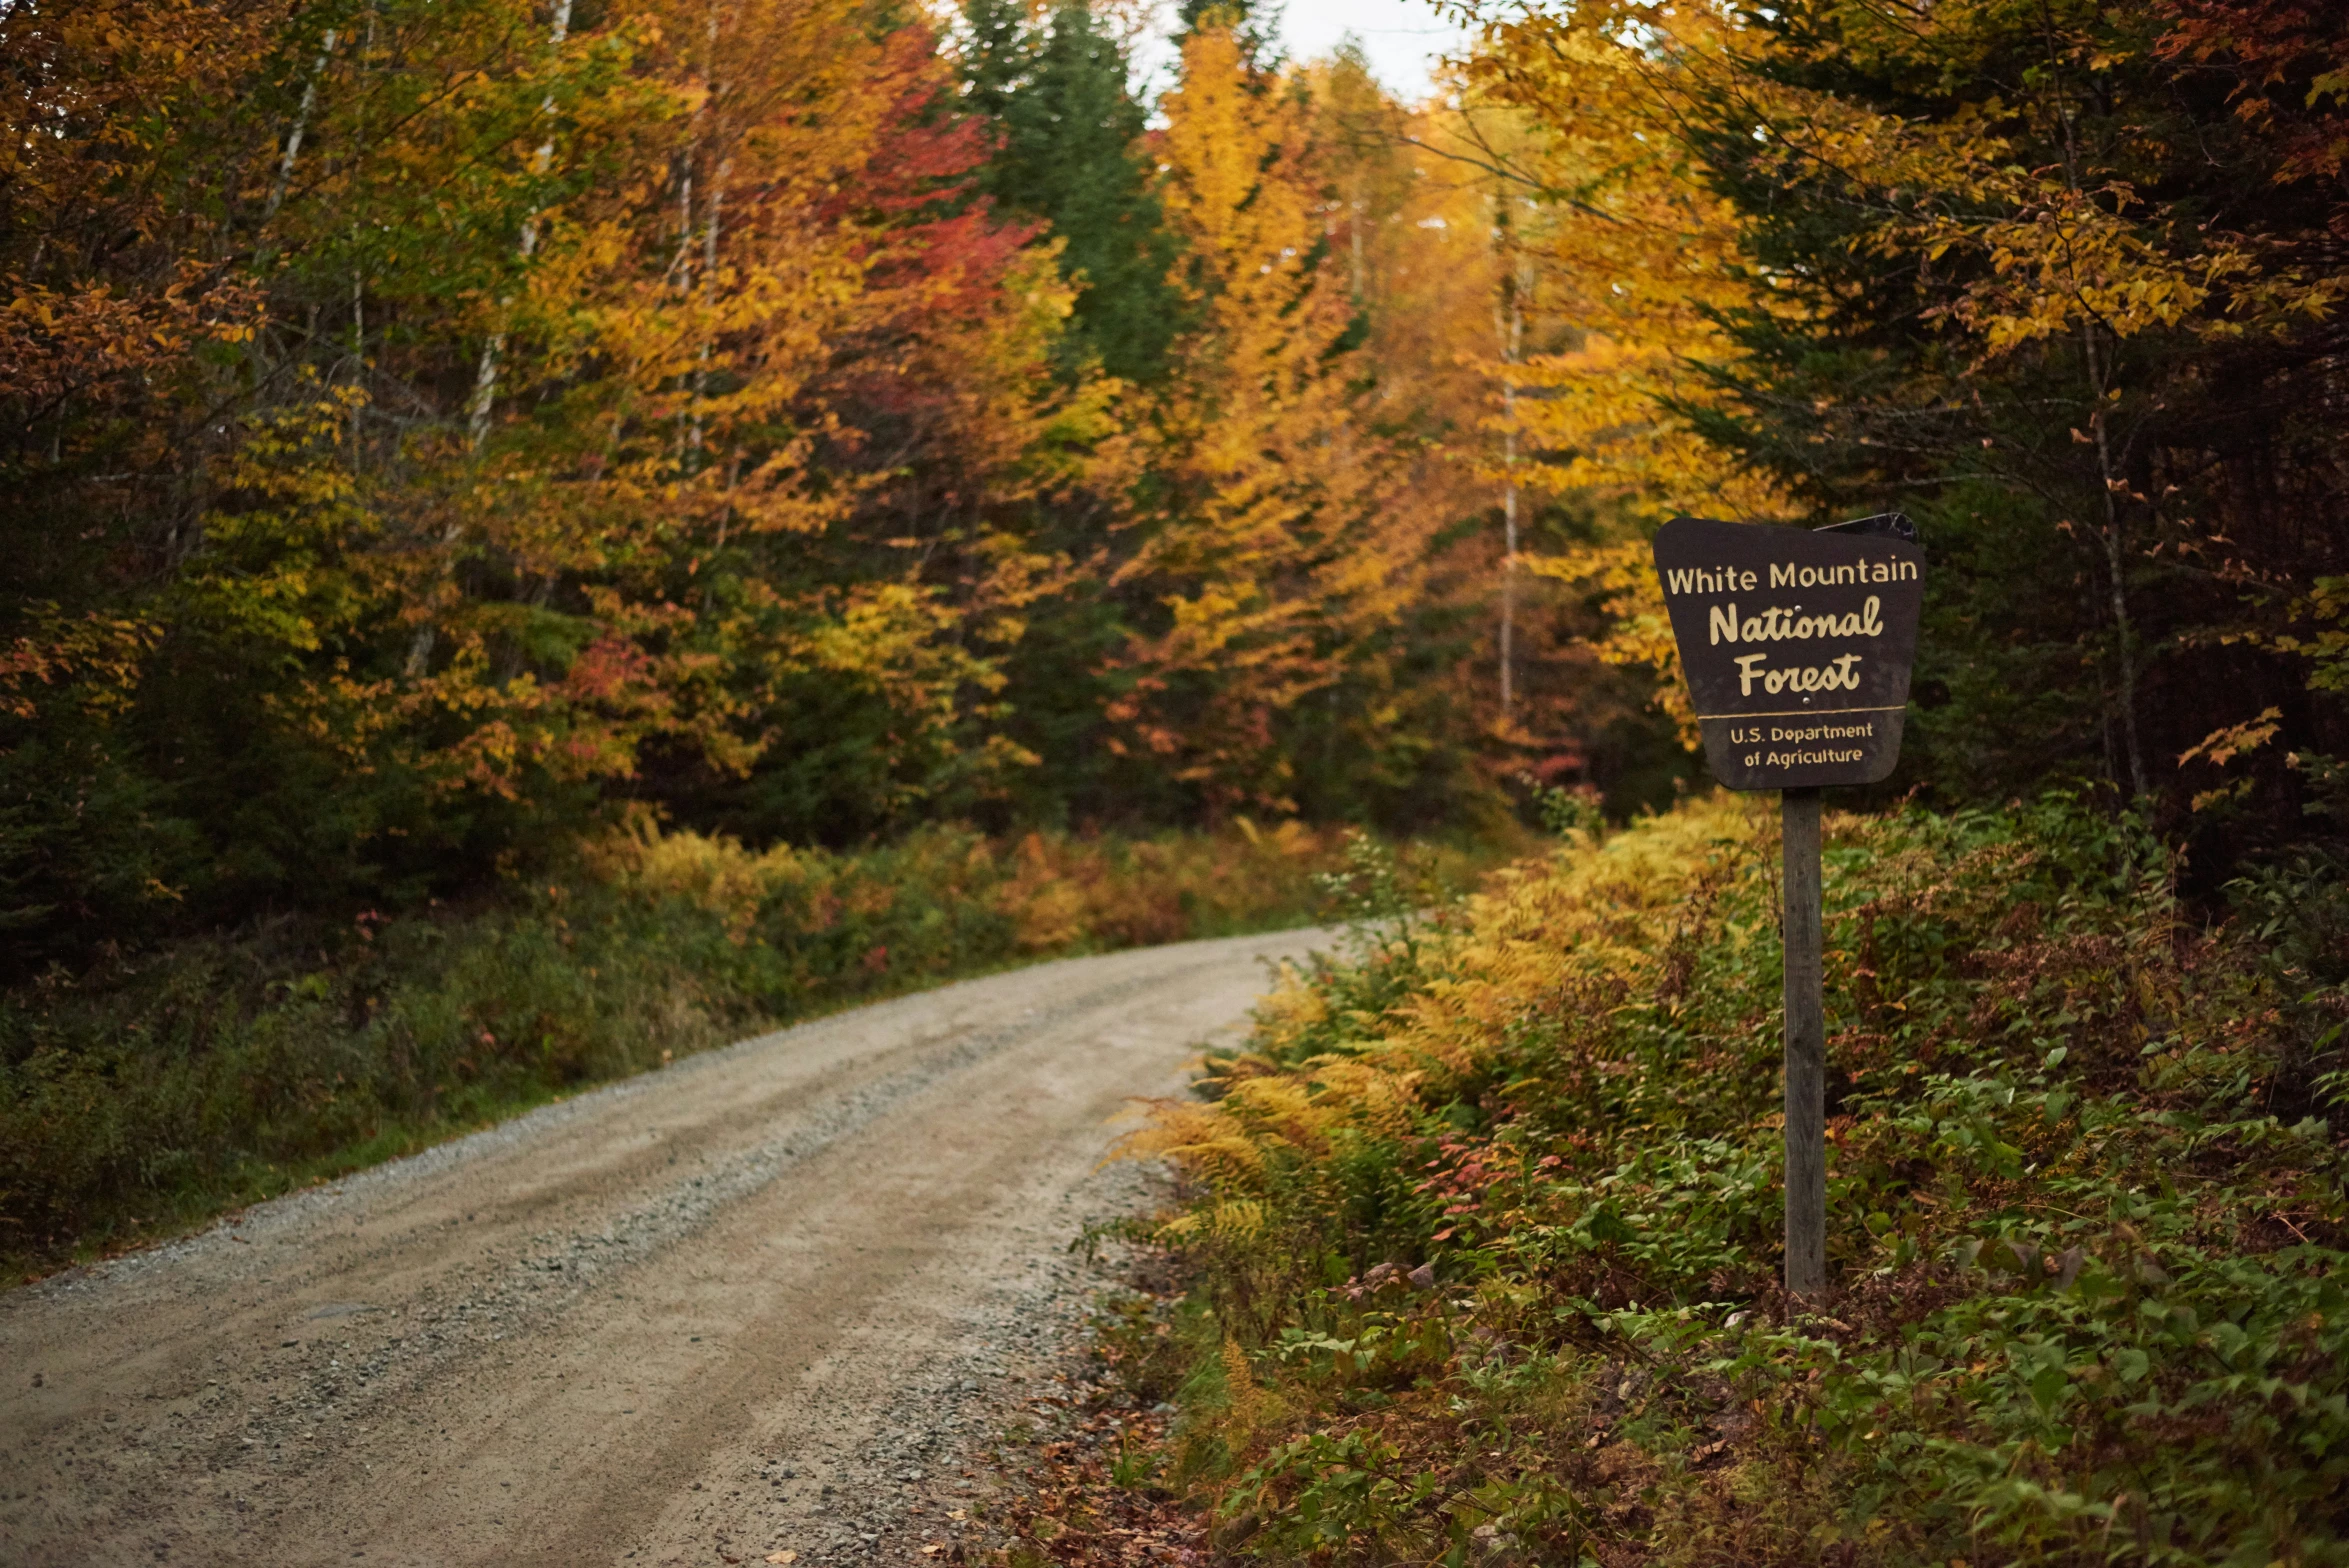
(1797, 647)
(1806, 1047)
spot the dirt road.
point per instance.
(758, 1301)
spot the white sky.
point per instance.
(1401, 37)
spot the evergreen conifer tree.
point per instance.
(1072, 155)
(1254, 25)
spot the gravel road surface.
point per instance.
(771, 1299)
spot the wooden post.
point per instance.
(1842, 731)
(1806, 1052)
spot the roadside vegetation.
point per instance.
(1481, 1230)
(157, 1090)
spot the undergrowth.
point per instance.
(157, 1090)
(1483, 1226)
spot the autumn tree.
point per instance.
(1070, 154)
(1274, 572)
(482, 410)
(1957, 264)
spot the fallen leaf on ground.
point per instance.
(782, 1557)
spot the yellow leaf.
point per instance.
(2222, 746)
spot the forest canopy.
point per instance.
(433, 430)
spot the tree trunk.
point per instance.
(485, 376)
(1509, 325)
(2116, 564)
(485, 379)
(293, 141)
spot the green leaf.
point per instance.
(2047, 1388)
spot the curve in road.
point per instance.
(683, 1319)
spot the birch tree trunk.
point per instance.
(293, 141)
(485, 378)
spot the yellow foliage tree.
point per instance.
(1270, 544)
(2013, 215)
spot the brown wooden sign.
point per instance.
(1797, 645)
